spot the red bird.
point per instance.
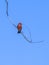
(19, 27)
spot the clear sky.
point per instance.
(14, 49)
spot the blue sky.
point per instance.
(14, 49)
